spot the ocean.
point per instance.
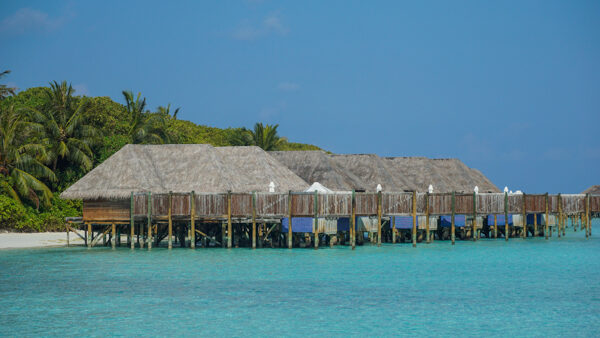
(520, 288)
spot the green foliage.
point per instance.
(15, 216)
(4, 90)
(293, 146)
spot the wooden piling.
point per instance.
(132, 222)
(253, 220)
(587, 215)
(495, 226)
(68, 231)
(535, 225)
(379, 218)
(353, 221)
(149, 223)
(546, 226)
(290, 242)
(114, 236)
(452, 228)
(427, 233)
(88, 235)
(414, 216)
(193, 220)
(474, 216)
(393, 221)
(506, 235)
(524, 232)
(229, 226)
(560, 214)
(316, 219)
(170, 215)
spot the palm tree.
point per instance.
(67, 136)
(4, 90)
(266, 137)
(21, 164)
(144, 127)
(241, 137)
(167, 111)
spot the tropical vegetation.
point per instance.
(50, 137)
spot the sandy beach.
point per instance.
(16, 240)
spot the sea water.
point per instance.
(531, 287)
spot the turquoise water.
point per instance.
(521, 288)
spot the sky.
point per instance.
(511, 88)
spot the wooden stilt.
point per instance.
(560, 214)
(495, 226)
(534, 225)
(132, 222)
(474, 216)
(170, 215)
(224, 235)
(193, 220)
(290, 243)
(588, 225)
(379, 218)
(393, 221)
(414, 216)
(316, 220)
(506, 234)
(253, 220)
(524, 232)
(546, 226)
(68, 230)
(89, 235)
(427, 234)
(353, 221)
(114, 236)
(452, 228)
(229, 226)
(149, 223)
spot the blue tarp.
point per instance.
(299, 224)
(500, 220)
(446, 221)
(343, 223)
(405, 222)
(530, 219)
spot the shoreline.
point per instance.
(23, 240)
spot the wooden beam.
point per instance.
(506, 234)
(132, 221)
(379, 218)
(93, 242)
(193, 220)
(229, 226)
(316, 207)
(290, 219)
(452, 228)
(149, 223)
(170, 215)
(427, 218)
(253, 220)
(414, 219)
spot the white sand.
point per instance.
(42, 239)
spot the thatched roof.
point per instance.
(346, 172)
(594, 189)
(183, 168)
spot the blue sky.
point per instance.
(509, 87)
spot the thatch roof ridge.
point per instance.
(594, 189)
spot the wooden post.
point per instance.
(534, 224)
(379, 218)
(414, 216)
(290, 243)
(316, 206)
(427, 218)
(353, 221)
(495, 226)
(68, 230)
(506, 235)
(193, 220)
(149, 240)
(88, 236)
(393, 221)
(524, 233)
(546, 227)
(474, 216)
(587, 216)
(560, 214)
(114, 236)
(170, 215)
(452, 229)
(229, 226)
(253, 220)
(223, 235)
(132, 222)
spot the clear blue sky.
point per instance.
(509, 87)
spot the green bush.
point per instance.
(11, 213)
(15, 217)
